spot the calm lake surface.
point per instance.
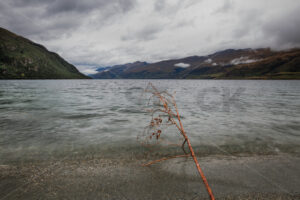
(48, 119)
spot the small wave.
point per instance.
(83, 116)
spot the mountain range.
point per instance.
(21, 58)
(262, 63)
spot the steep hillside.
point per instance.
(21, 58)
(228, 64)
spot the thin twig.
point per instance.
(165, 158)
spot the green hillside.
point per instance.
(21, 58)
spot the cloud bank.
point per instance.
(95, 33)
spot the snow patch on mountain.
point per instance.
(242, 60)
(182, 65)
(208, 60)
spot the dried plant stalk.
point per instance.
(167, 108)
(163, 159)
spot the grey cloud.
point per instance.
(250, 21)
(15, 21)
(146, 33)
(280, 30)
(184, 23)
(58, 6)
(86, 6)
(159, 5)
(29, 3)
(68, 6)
(285, 29)
(49, 19)
(168, 9)
(226, 7)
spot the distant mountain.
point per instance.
(100, 69)
(116, 71)
(228, 64)
(21, 58)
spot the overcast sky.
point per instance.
(90, 33)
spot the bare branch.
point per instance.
(168, 109)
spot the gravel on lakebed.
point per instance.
(254, 177)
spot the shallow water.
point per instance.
(45, 119)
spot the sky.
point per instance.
(95, 33)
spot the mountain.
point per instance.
(21, 58)
(117, 71)
(100, 69)
(228, 64)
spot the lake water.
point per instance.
(49, 119)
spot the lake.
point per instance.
(53, 119)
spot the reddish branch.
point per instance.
(169, 108)
(163, 159)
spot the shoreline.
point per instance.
(254, 177)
